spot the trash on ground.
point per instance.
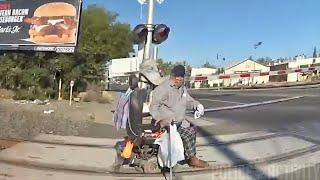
(48, 111)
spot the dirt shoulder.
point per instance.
(21, 119)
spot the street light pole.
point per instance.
(254, 71)
(150, 26)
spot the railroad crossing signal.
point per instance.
(159, 34)
(140, 33)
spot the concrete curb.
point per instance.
(252, 104)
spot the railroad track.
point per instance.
(216, 142)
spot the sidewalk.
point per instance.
(256, 147)
(99, 159)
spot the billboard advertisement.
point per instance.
(39, 25)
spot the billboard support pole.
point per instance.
(60, 86)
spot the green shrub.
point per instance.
(24, 95)
(31, 94)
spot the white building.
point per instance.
(118, 70)
(246, 66)
(301, 63)
(197, 72)
(123, 66)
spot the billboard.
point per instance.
(39, 25)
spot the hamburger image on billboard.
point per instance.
(53, 23)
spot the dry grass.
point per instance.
(26, 125)
(315, 78)
(94, 93)
(95, 96)
(6, 94)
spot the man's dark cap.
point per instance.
(178, 71)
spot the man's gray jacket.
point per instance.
(170, 103)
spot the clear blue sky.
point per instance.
(201, 29)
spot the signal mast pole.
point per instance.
(150, 26)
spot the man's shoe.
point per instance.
(197, 163)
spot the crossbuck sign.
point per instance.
(144, 1)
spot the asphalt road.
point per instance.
(301, 115)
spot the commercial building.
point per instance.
(201, 79)
(246, 66)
